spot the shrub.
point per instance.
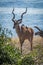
(8, 54)
(27, 60)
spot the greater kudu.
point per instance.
(23, 32)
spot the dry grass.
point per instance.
(26, 45)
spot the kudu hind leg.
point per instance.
(31, 46)
(31, 43)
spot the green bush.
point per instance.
(8, 53)
(39, 58)
(27, 60)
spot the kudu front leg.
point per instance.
(21, 44)
(21, 48)
(31, 43)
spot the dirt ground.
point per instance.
(26, 45)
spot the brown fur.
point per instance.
(23, 34)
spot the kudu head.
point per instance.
(17, 22)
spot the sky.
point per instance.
(34, 15)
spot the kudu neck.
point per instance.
(18, 30)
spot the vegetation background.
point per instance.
(10, 52)
(10, 47)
